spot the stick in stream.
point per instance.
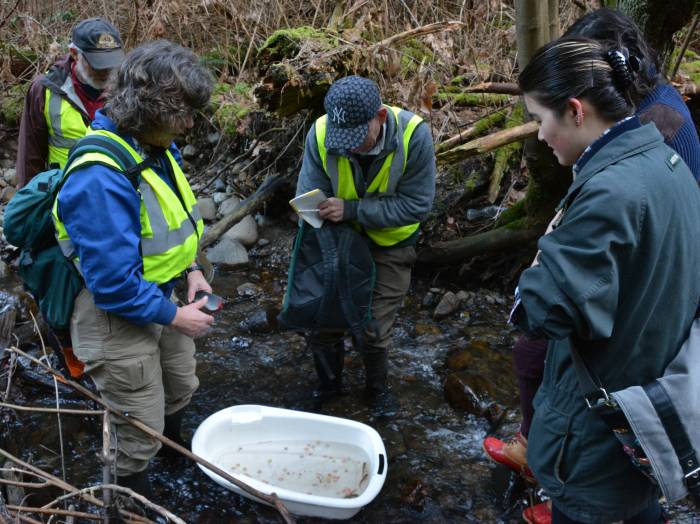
(272, 499)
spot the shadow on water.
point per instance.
(437, 469)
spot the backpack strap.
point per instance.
(102, 144)
(677, 435)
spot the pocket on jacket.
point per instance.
(547, 447)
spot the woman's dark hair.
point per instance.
(580, 68)
(612, 28)
(157, 86)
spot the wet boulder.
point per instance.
(263, 320)
(207, 208)
(447, 305)
(248, 290)
(230, 253)
(189, 152)
(228, 205)
(472, 393)
(245, 231)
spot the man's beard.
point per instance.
(84, 76)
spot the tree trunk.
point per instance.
(538, 23)
(659, 20)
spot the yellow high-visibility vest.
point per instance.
(65, 124)
(339, 170)
(169, 240)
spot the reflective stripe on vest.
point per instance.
(168, 239)
(65, 123)
(339, 170)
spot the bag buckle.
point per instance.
(605, 400)
(693, 473)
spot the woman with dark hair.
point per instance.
(655, 101)
(616, 277)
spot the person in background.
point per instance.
(377, 163)
(61, 104)
(616, 277)
(656, 101)
(132, 246)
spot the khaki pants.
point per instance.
(147, 371)
(393, 278)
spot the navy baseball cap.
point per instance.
(100, 43)
(350, 104)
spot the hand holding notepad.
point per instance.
(306, 206)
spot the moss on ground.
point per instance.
(12, 103)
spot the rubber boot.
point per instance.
(329, 362)
(379, 397)
(138, 482)
(173, 430)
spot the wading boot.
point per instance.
(511, 453)
(329, 362)
(173, 430)
(138, 482)
(379, 398)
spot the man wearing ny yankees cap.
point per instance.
(61, 104)
(377, 164)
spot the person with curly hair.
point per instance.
(132, 243)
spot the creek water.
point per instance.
(437, 471)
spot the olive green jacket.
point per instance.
(620, 278)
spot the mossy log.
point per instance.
(489, 143)
(505, 154)
(494, 241)
(477, 128)
(298, 65)
(469, 99)
(503, 88)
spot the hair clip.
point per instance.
(621, 71)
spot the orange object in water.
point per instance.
(75, 367)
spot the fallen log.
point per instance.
(477, 128)
(481, 244)
(245, 207)
(417, 32)
(489, 143)
(502, 88)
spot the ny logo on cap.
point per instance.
(338, 115)
(106, 41)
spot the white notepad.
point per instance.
(306, 206)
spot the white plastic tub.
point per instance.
(319, 466)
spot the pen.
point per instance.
(307, 210)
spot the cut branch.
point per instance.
(418, 31)
(481, 244)
(489, 143)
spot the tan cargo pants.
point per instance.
(147, 371)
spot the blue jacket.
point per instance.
(618, 278)
(101, 210)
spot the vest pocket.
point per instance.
(547, 447)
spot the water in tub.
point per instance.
(313, 467)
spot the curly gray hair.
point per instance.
(158, 85)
